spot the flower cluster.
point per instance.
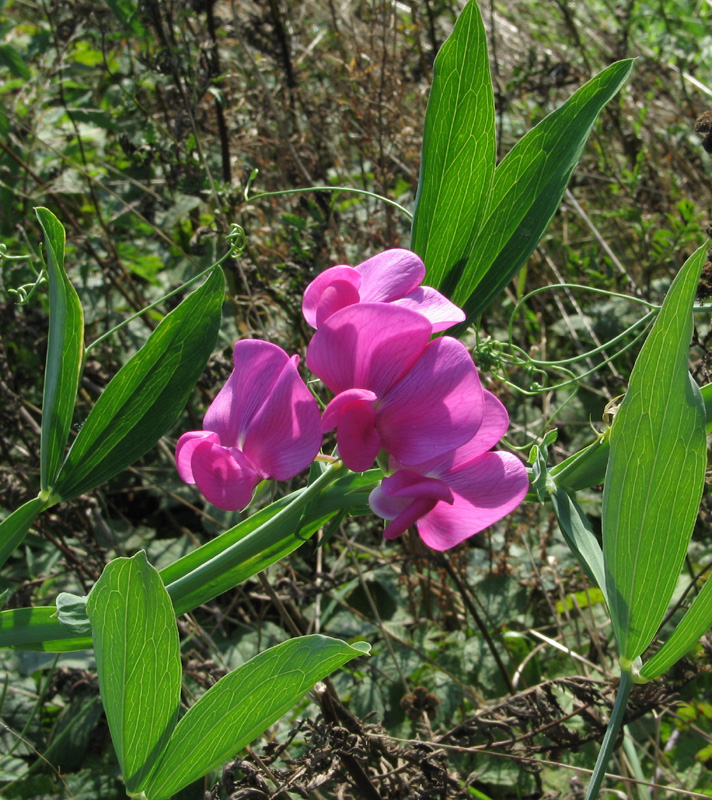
(397, 392)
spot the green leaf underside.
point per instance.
(655, 474)
(138, 662)
(459, 149)
(350, 491)
(526, 191)
(65, 349)
(146, 396)
(579, 536)
(692, 626)
(241, 705)
(14, 528)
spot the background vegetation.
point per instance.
(141, 128)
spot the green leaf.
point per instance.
(459, 149)
(579, 536)
(10, 58)
(145, 398)
(240, 706)
(527, 189)
(38, 629)
(14, 528)
(72, 613)
(138, 662)
(126, 11)
(65, 350)
(655, 475)
(692, 626)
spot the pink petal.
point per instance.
(223, 475)
(485, 491)
(358, 440)
(335, 288)
(390, 275)
(404, 497)
(185, 449)
(258, 366)
(332, 413)
(437, 407)
(284, 435)
(367, 346)
(433, 306)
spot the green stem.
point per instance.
(614, 725)
(193, 588)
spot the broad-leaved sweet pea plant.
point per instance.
(413, 442)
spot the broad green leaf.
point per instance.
(14, 528)
(696, 622)
(10, 58)
(655, 474)
(459, 149)
(38, 629)
(72, 613)
(526, 191)
(145, 398)
(579, 536)
(240, 706)
(138, 662)
(65, 349)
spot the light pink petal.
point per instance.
(258, 366)
(390, 275)
(358, 440)
(485, 491)
(437, 407)
(284, 435)
(185, 449)
(404, 497)
(223, 475)
(332, 413)
(367, 346)
(335, 288)
(427, 301)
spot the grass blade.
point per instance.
(655, 475)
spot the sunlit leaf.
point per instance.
(145, 398)
(65, 349)
(137, 652)
(241, 705)
(459, 149)
(14, 528)
(655, 474)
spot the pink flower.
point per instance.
(395, 389)
(264, 423)
(455, 495)
(393, 276)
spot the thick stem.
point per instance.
(614, 725)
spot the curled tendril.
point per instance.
(237, 240)
(23, 294)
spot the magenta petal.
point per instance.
(335, 288)
(367, 346)
(427, 301)
(284, 436)
(390, 275)
(485, 491)
(358, 440)
(404, 497)
(258, 366)
(332, 413)
(223, 475)
(437, 407)
(185, 449)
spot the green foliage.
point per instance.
(655, 474)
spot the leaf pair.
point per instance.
(138, 661)
(140, 404)
(474, 225)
